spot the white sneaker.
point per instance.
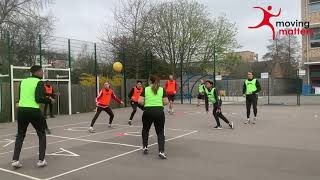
(145, 150)
(110, 126)
(91, 130)
(231, 125)
(16, 164)
(162, 155)
(254, 120)
(41, 164)
(218, 127)
(247, 122)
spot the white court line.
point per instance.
(172, 129)
(19, 174)
(114, 157)
(66, 140)
(54, 127)
(93, 141)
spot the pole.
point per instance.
(181, 83)
(124, 76)
(12, 93)
(151, 58)
(96, 66)
(69, 53)
(70, 93)
(146, 64)
(40, 50)
(214, 64)
(298, 89)
(268, 88)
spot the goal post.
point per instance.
(58, 78)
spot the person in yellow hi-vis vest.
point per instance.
(251, 88)
(211, 96)
(32, 94)
(153, 98)
(201, 91)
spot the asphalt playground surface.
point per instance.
(283, 145)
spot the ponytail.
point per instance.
(155, 83)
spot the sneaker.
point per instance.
(218, 127)
(162, 155)
(231, 125)
(48, 131)
(254, 120)
(130, 122)
(41, 164)
(91, 130)
(16, 164)
(247, 122)
(145, 150)
(110, 126)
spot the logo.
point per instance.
(266, 20)
(283, 27)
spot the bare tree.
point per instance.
(177, 30)
(14, 11)
(220, 39)
(129, 31)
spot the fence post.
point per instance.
(96, 67)
(298, 88)
(40, 50)
(181, 81)
(124, 75)
(69, 53)
(269, 89)
(10, 74)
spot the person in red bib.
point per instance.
(171, 90)
(134, 96)
(49, 93)
(103, 104)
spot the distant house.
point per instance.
(246, 56)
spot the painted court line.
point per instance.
(93, 141)
(54, 127)
(66, 140)
(89, 165)
(19, 174)
(172, 129)
(114, 157)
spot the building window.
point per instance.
(314, 6)
(313, 1)
(315, 38)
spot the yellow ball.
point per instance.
(117, 67)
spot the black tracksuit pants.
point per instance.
(252, 99)
(35, 117)
(108, 110)
(134, 106)
(153, 115)
(218, 115)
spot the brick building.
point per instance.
(310, 11)
(247, 56)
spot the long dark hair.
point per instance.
(155, 83)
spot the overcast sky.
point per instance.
(83, 19)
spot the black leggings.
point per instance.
(135, 105)
(156, 116)
(108, 110)
(46, 108)
(218, 115)
(35, 117)
(252, 99)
